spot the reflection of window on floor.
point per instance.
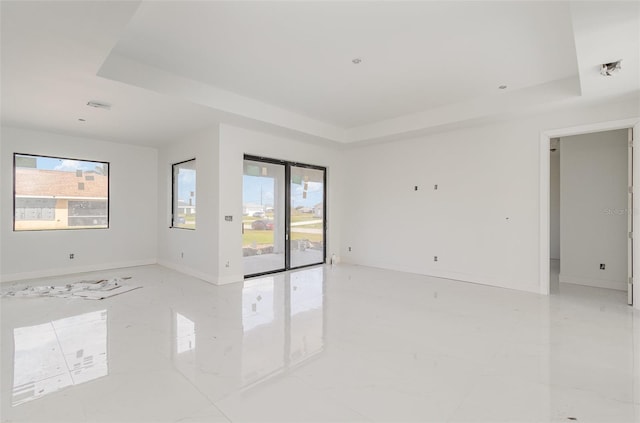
(185, 334)
(306, 290)
(306, 314)
(278, 334)
(57, 354)
(257, 302)
(264, 326)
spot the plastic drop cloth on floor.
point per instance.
(90, 290)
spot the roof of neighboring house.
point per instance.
(55, 183)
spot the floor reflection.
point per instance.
(185, 334)
(251, 333)
(263, 326)
(258, 307)
(57, 354)
(307, 325)
(282, 320)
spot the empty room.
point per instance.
(323, 211)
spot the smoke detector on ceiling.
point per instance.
(609, 69)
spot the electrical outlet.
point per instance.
(602, 266)
(227, 264)
(415, 188)
(72, 256)
(181, 255)
(349, 249)
(435, 258)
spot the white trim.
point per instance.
(201, 275)
(545, 221)
(494, 281)
(544, 224)
(72, 270)
(636, 223)
(225, 280)
(188, 271)
(598, 283)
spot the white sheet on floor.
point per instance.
(90, 290)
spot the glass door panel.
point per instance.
(263, 220)
(306, 216)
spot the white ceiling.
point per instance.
(169, 68)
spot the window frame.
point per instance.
(174, 199)
(67, 228)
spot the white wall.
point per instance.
(219, 153)
(482, 222)
(131, 238)
(194, 252)
(594, 209)
(234, 143)
(554, 203)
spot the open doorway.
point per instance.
(590, 212)
(544, 198)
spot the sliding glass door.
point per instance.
(306, 216)
(283, 224)
(263, 220)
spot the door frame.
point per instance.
(287, 211)
(545, 192)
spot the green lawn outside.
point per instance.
(189, 221)
(310, 237)
(258, 237)
(265, 237)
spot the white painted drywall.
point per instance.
(594, 209)
(191, 251)
(131, 238)
(234, 144)
(484, 174)
(554, 203)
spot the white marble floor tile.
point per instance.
(324, 344)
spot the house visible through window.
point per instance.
(184, 195)
(59, 193)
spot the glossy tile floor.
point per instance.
(325, 344)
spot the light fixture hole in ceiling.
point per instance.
(610, 69)
(99, 105)
(356, 61)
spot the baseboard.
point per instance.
(594, 282)
(490, 280)
(188, 271)
(201, 275)
(230, 279)
(71, 270)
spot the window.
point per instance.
(184, 195)
(59, 193)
